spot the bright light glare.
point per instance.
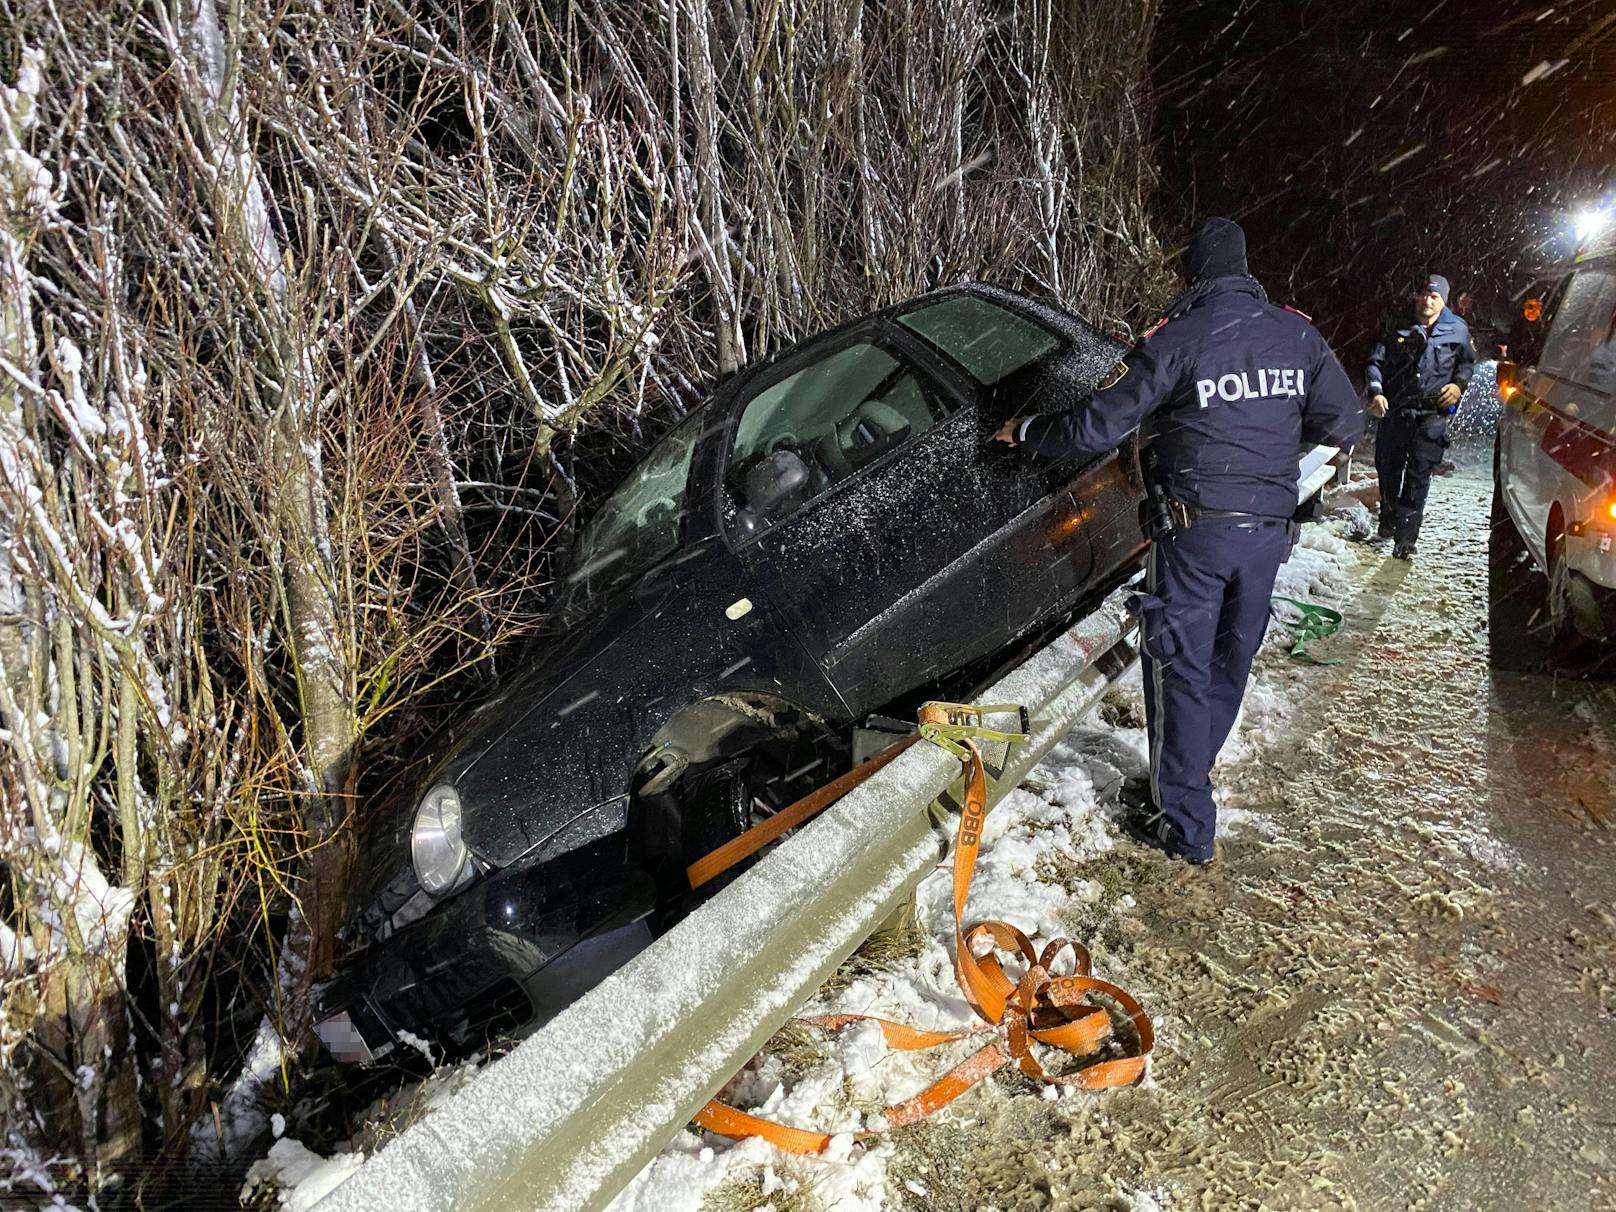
(1591, 223)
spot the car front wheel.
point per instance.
(1516, 593)
(713, 807)
(1570, 647)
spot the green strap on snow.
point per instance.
(1317, 623)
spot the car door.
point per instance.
(1074, 522)
(892, 559)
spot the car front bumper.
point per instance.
(506, 954)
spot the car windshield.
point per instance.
(983, 337)
(640, 522)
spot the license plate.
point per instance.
(345, 1042)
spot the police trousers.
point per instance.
(1408, 447)
(1204, 612)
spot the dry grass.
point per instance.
(798, 1048)
(1122, 708)
(1118, 873)
(888, 948)
(745, 1193)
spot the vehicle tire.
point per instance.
(716, 808)
(1517, 594)
(1570, 651)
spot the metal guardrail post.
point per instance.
(565, 1120)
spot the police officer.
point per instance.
(1417, 372)
(1231, 388)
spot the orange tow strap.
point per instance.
(760, 835)
(1052, 1010)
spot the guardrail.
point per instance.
(564, 1121)
(574, 1112)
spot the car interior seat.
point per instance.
(862, 437)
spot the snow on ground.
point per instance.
(1316, 572)
(303, 1176)
(300, 1177)
(1049, 865)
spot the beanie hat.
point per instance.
(1434, 283)
(1216, 250)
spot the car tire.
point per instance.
(1570, 650)
(716, 808)
(1517, 595)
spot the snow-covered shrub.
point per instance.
(301, 308)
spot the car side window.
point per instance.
(801, 436)
(988, 340)
(639, 523)
(1582, 344)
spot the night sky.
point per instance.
(1362, 142)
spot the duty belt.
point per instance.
(1425, 406)
(1185, 516)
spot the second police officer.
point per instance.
(1417, 372)
(1230, 389)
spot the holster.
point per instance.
(1159, 514)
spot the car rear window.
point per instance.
(986, 339)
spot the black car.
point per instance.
(832, 537)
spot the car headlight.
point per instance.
(436, 847)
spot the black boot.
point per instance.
(1404, 551)
(1149, 826)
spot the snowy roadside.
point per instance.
(1052, 864)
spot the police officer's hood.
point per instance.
(1217, 249)
(1214, 262)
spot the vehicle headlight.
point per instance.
(436, 847)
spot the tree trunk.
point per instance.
(709, 184)
(310, 586)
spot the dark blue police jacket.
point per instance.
(1234, 388)
(1410, 365)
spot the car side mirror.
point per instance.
(774, 484)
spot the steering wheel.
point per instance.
(784, 441)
